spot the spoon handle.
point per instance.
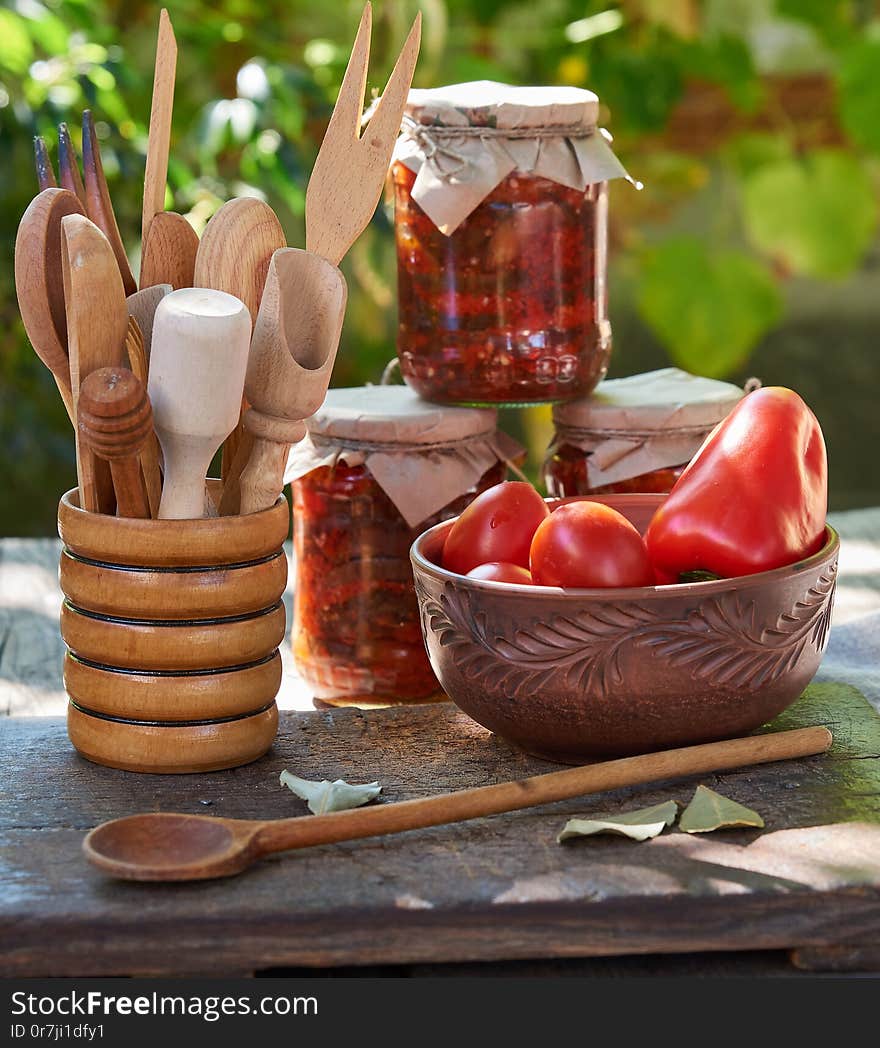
(279, 835)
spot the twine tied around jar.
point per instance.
(434, 139)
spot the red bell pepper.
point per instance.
(753, 498)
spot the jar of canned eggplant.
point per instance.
(379, 466)
(634, 434)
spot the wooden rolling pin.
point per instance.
(197, 366)
(292, 355)
(116, 421)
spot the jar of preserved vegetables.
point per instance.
(378, 466)
(634, 434)
(501, 226)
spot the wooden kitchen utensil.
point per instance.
(234, 256)
(39, 282)
(150, 454)
(292, 354)
(68, 166)
(200, 347)
(97, 322)
(115, 422)
(142, 306)
(350, 168)
(162, 846)
(43, 164)
(98, 204)
(159, 139)
(169, 252)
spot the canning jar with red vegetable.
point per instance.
(378, 466)
(501, 209)
(634, 434)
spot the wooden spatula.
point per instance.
(350, 169)
(159, 139)
(197, 365)
(97, 322)
(292, 354)
(39, 282)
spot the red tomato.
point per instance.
(591, 545)
(497, 526)
(499, 571)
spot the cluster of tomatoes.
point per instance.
(508, 534)
(752, 499)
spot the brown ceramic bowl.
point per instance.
(580, 673)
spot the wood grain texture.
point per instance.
(39, 283)
(293, 350)
(159, 138)
(151, 453)
(169, 252)
(350, 169)
(68, 165)
(142, 308)
(173, 697)
(171, 749)
(116, 423)
(491, 889)
(98, 204)
(97, 323)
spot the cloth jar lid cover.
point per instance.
(424, 456)
(636, 425)
(656, 400)
(549, 132)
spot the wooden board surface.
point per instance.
(498, 888)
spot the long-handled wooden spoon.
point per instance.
(39, 282)
(293, 350)
(97, 322)
(142, 306)
(169, 252)
(162, 846)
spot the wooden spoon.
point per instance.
(163, 846)
(169, 252)
(293, 350)
(39, 282)
(234, 256)
(201, 340)
(150, 454)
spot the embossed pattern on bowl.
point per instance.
(574, 674)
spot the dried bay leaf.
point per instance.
(323, 797)
(638, 825)
(709, 811)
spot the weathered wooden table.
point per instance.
(498, 890)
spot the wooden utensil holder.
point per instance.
(172, 630)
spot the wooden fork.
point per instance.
(91, 190)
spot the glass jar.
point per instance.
(376, 458)
(501, 238)
(634, 434)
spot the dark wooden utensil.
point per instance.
(115, 421)
(162, 846)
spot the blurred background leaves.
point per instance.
(754, 124)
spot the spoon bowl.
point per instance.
(161, 846)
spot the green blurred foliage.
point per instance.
(746, 192)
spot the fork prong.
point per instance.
(45, 173)
(346, 117)
(68, 166)
(382, 130)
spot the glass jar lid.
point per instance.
(656, 401)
